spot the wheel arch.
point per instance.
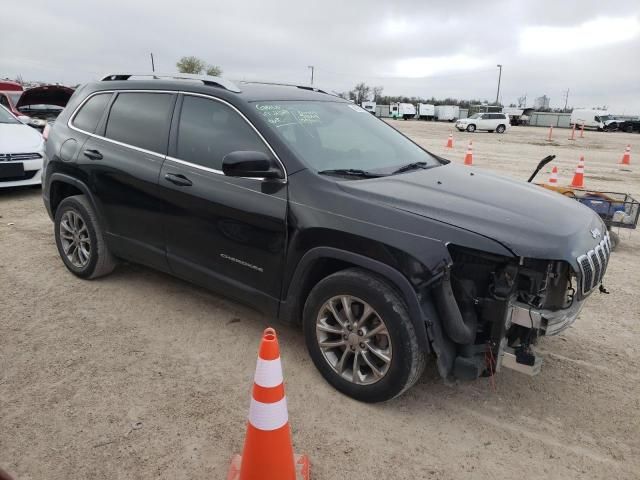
(62, 186)
(319, 262)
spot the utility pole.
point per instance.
(312, 68)
(499, 78)
(153, 67)
(566, 99)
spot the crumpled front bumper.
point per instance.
(550, 322)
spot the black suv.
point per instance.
(304, 206)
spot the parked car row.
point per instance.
(36, 106)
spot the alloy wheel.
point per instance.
(354, 339)
(74, 238)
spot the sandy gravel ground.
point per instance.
(139, 375)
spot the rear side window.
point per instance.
(141, 120)
(209, 130)
(91, 112)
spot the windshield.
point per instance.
(476, 115)
(15, 96)
(6, 117)
(604, 118)
(332, 135)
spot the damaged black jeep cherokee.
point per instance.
(309, 209)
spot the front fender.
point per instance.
(392, 275)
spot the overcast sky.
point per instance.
(411, 48)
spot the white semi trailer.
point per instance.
(426, 111)
(447, 113)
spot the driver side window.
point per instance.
(208, 130)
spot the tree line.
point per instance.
(363, 92)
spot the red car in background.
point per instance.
(35, 106)
(10, 93)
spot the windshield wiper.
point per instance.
(410, 166)
(353, 172)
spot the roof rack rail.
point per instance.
(303, 87)
(205, 79)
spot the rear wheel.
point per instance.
(471, 128)
(360, 337)
(500, 128)
(629, 129)
(80, 239)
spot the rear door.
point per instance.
(122, 161)
(225, 233)
(485, 122)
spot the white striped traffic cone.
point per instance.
(578, 177)
(626, 158)
(450, 141)
(268, 453)
(468, 158)
(553, 179)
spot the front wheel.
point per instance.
(500, 128)
(360, 337)
(471, 128)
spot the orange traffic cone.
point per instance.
(468, 158)
(553, 179)
(578, 177)
(268, 453)
(450, 141)
(626, 158)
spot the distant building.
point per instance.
(541, 103)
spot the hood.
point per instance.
(529, 220)
(47, 95)
(19, 138)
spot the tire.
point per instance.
(500, 129)
(629, 129)
(99, 261)
(406, 359)
(471, 128)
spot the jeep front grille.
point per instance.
(593, 265)
(19, 157)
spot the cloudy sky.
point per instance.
(416, 48)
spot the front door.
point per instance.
(225, 233)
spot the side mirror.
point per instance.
(250, 164)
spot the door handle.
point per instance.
(93, 154)
(178, 179)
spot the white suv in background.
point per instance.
(21, 152)
(492, 121)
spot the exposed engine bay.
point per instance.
(494, 309)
